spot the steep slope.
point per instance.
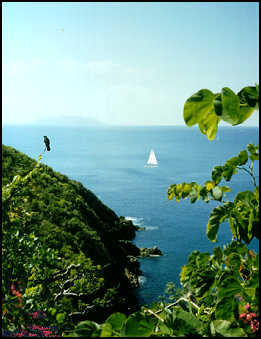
(71, 219)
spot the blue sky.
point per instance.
(123, 63)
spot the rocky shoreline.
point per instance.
(132, 252)
(150, 252)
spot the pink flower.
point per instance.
(254, 325)
(46, 333)
(35, 315)
(247, 306)
(249, 317)
(242, 315)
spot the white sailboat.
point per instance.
(152, 161)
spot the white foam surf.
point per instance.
(142, 280)
(136, 221)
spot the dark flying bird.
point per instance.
(47, 143)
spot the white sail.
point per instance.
(152, 161)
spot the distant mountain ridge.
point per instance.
(70, 121)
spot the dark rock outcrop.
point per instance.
(150, 252)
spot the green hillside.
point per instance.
(68, 221)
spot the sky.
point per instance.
(123, 63)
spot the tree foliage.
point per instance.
(61, 243)
(242, 213)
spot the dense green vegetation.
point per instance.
(68, 251)
(55, 223)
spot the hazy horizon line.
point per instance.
(118, 125)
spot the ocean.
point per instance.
(110, 162)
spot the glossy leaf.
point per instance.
(217, 193)
(245, 112)
(249, 95)
(216, 174)
(217, 216)
(207, 109)
(254, 152)
(234, 261)
(87, 328)
(230, 106)
(198, 106)
(224, 328)
(116, 320)
(228, 172)
(187, 322)
(138, 325)
(225, 308)
(218, 104)
(107, 330)
(243, 157)
(209, 125)
(60, 317)
(218, 254)
(229, 287)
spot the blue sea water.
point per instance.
(110, 162)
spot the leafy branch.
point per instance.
(207, 109)
(243, 213)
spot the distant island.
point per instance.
(72, 121)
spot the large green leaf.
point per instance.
(187, 323)
(249, 95)
(217, 193)
(106, 330)
(228, 288)
(193, 195)
(198, 106)
(230, 105)
(224, 328)
(87, 328)
(217, 216)
(243, 157)
(244, 113)
(234, 261)
(245, 197)
(218, 104)
(228, 171)
(206, 108)
(218, 254)
(209, 125)
(116, 320)
(138, 325)
(185, 273)
(60, 317)
(254, 151)
(225, 308)
(217, 173)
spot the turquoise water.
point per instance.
(110, 161)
